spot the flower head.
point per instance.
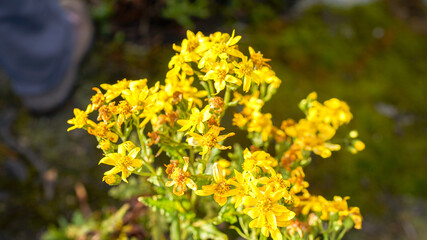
(123, 163)
(180, 178)
(209, 140)
(221, 188)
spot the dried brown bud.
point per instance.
(177, 97)
(216, 103)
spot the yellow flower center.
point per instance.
(124, 162)
(221, 73)
(192, 44)
(97, 99)
(265, 205)
(179, 176)
(218, 48)
(257, 58)
(208, 140)
(246, 68)
(124, 108)
(222, 188)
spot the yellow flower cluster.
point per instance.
(258, 188)
(185, 123)
(327, 209)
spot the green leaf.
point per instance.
(167, 207)
(227, 214)
(110, 224)
(136, 187)
(209, 231)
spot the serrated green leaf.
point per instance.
(110, 224)
(166, 207)
(135, 187)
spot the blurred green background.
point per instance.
(372, 55)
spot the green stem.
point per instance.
(342, 233)
(211, 87)
(206, 87)
(175, 229)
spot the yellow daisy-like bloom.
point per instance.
(178, 63)
(102, 130)
(192, 46)
(114, 90)
(268, 215)
(123, 110)
(315, 204)
(123, 163)
(209, 140)
(242, 188)
(259, 159)
(261, 123)
(222, 45)
(196, 120)
(97, 99)
(80, 119)
(239, 120)
(258, 59)
(269, 76)
(219, 72)
(181, 84)
(245, 70)
(297, 181)
(276, 183)
(221, 189)
(181, 179)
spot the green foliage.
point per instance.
(183, 10)
(168, 207)
(135, 187)
(80, 226)
(382, 77)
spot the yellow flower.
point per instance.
(97, 99)
(313, 136)
(259, 159)
(80, 119)
(178, 63)
(181, 179)
(123, 110)
(315, 204)
(123, 163)
(209, 140)
(242, 188)
(269, 76)
(258, 59)
(219, 72)
(261, 123)
(182, 85)
(245, 70)
(239, 120)
(114, 90)
(196, 120)
(268, 215)
(193, 45)
(222, 46)
(276, 183)
(297, 181)
(102, 130)
(221, 189)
